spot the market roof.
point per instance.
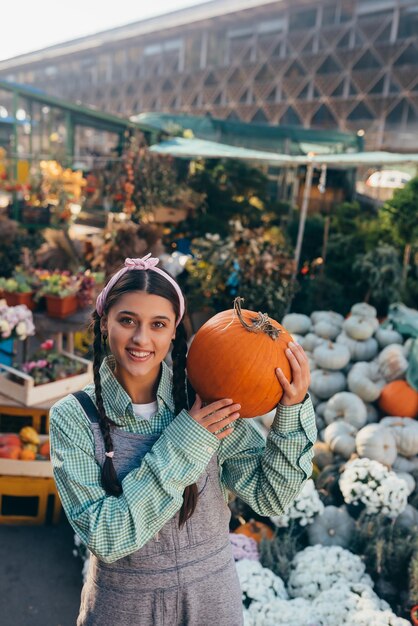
(199, 148)
(278, 139)
(81, 115)
(173, 19)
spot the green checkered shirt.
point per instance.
(267, 474)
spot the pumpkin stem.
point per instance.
(260, 324)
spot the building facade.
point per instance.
(346, 64)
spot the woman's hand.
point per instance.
(295, 392)
(216, 415)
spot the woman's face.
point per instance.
(140, 328)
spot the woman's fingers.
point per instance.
(219, 425)
(215, 417)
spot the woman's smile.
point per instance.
(139, 356)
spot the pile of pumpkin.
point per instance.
(362, 401)
(26, 446)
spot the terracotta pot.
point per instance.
(61, 307)
(13, 298)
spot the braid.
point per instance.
(110, 480)
(179, 354)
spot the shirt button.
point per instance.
(210, 449)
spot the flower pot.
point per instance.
(61, 307)
(6, 351)
(13, 298)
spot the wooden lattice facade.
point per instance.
(347, 64)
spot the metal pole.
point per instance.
(15, 155)
(303, 214)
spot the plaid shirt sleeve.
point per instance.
(268, 475)
(113, 527)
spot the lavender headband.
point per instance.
(146, 263)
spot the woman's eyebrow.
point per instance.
(160, 317)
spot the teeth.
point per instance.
(139, 355)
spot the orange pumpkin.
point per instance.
(44, 449)
(399, 399)
(27, 455)
(255, 530)
(235, 355)
(9, 452)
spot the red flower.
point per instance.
(47, 345)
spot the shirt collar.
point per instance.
(116, 400)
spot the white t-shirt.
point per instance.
(145, 411)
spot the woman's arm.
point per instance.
(268, 476)
(114, 527)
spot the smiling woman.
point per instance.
(137, 460)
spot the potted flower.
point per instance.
(18, 289)
(15, 323)
(47, 365)
(60, 292)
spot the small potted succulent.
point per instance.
(19, 289)
(60, 292)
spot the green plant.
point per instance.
(60, 284)
(20, 282)
(253, 263)
(48, 365)
(379, 275)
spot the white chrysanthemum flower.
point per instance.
(318, 567)
(258, 582)
(306, 506)
(369, 482)
(297, 612)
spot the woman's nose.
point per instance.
(141, 335)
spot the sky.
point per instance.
(28, 25)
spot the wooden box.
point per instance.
(35, 469)
(29, 394)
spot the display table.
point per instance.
(47, 326)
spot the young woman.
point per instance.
(143, 471)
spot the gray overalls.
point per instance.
(181, 577)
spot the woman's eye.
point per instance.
(160, 324)
(126, 320)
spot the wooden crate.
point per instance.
(33, 469)
(24, 500)
(30, 394)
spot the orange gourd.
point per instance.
(44, 450)
(399, 399)
(255, 530)
(235, 355)
(27, 454)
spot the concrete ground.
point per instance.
(40, 579)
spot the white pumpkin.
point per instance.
(334, 527)
(297, 323)
(407, 346)
(408, 518)
(314, 399)
(359, 350)
(372, 413)
(360, 328)
(346, 406)
(312, 363)
(409, 479)
(365, 380)
(405, 431)
(377, 443)
(387, 336)
(392, 362)
(327, 329)
(363, 309)
(331, 356)
(310, 341)
(320, 409)
(325, 383)
(335, 318)
(297, 338)
(341, 438)
(402, 464)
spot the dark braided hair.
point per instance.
(152, 283)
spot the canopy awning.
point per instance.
(202, 149)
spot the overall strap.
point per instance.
(88, 405)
